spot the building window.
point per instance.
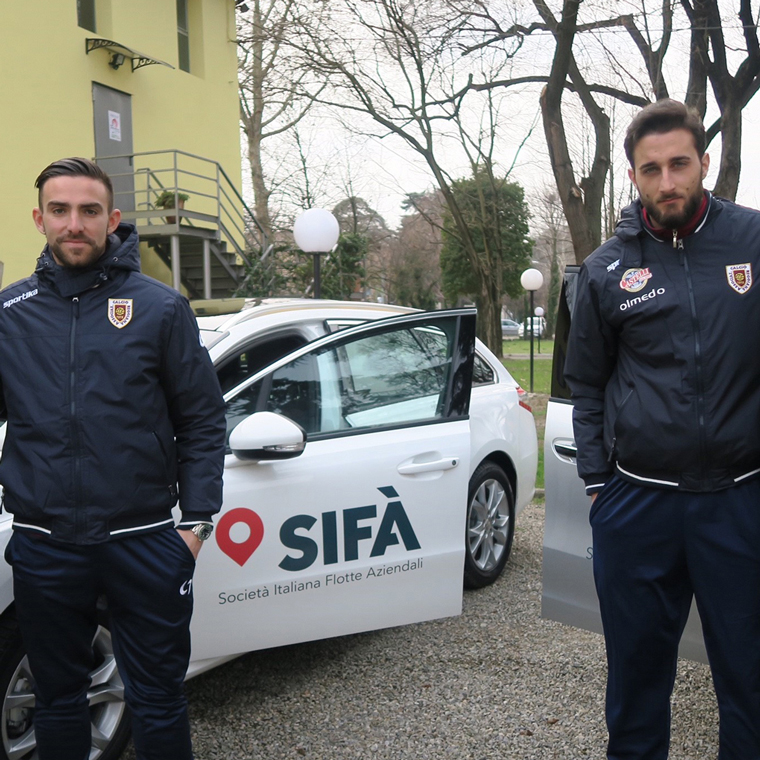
(183, 37)
(86, 14)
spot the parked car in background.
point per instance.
(568, 592)
(509, 328)
(377, 458)
(538, 325)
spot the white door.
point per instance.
(365, 529)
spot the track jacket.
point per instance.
(112, 403)
(664, 354)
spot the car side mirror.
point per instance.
(267, 436)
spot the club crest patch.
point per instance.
(119, 311)
(739, 277)
(634, 280)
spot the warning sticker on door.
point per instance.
(114, 125)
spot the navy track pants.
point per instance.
(653, 551)
(146, 582)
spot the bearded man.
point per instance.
(113, 413)
(664, 368)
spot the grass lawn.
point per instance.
(542, 368)
(523, 347)
(542, 373)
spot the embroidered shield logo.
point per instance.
(739, 277)
(119, 311)
(634, 280)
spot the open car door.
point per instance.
(345, 488)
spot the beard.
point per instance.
(673, 220)
(77, 261)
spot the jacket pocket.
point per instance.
(612, 444)
(169, 469)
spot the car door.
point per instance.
(568, 592)
(364, 528)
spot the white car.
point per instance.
(538, 325)
(377, 455)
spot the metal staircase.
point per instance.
(207, 243)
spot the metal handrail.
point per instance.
(234, 220)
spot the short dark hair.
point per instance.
(74, 167)
(664, 116)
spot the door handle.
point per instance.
(413, 468)
(566, 449)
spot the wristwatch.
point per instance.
(203, 531)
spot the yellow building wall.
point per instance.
(46, 108)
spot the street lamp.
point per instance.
(316, 231)
(539, 312)
(531, 280)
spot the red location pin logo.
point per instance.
(239, 552)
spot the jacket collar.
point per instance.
(631, 229)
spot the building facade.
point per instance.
(151, 83)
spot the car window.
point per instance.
(399, 376)
(241, 406)
(296, 392)
(246, 362)
(395, 377)
(482, 372)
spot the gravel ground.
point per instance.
(497, 682)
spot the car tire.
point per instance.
(490, 525)
(108, 713)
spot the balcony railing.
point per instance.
(215, 208)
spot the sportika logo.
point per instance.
(22, 297)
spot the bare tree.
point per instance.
(414, 274)
(394, 61)
(710, 55)
(273, 86)
(553, 249)
(356, 217)
(582, 197)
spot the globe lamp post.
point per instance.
(531, 280)
(539, 312)
(316, 231)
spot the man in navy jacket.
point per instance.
(113, 413)
(665, 377)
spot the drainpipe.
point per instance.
(206, 268)
(176, 282)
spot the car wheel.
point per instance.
(108, 713)
(490, 525)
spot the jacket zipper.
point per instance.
(73, 410)
(697, 352)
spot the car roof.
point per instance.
(222, 314)
(231, 314)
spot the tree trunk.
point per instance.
(555, 281)
(260, 192)
(253, 119)
(571, 196)
(731, 150)
(489, 316)
(582, 204)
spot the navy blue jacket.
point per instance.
(664, 354)
(112, 403)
